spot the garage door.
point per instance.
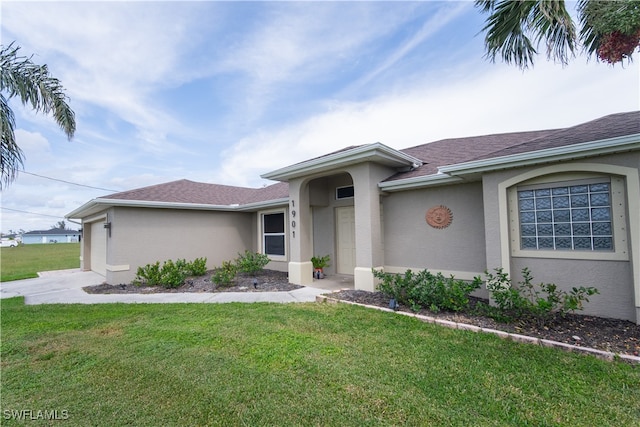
(99, 248)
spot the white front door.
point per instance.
(345, 240)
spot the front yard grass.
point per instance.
(292, 364)
(25, 261)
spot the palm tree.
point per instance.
(514, 29)
(33, 84)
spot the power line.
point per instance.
(69, 182)
(27, 212)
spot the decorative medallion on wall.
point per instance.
(439, 217)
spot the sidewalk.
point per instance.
(65, 287)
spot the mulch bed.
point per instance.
(267, 281)
(617, 336)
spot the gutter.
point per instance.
(344, 158)
(101, 203)
(587, 149)
(455, 173)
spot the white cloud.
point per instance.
(495, 99)
(34, 145)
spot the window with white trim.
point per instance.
(574, 216)
(273, 234)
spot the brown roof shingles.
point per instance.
(185, 191)
(460, 150)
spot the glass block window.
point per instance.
(273, 238)
(572, 217)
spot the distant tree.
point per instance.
(33, 84)
(515, 29)
(60, 225)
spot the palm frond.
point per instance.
(32, 83)
(514, 29)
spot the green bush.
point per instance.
(223, 276)
(426, 290)
(198, 267)
(526, 301)
(171, 274)
(251, 262)
(148, 275)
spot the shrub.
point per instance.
(251, 262)
(148, 275)
(526, 301)
(198, 267)
(223, 276)
(171, 274)
(426, 290)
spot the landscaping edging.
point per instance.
(601, 354)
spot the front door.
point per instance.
(345, 240)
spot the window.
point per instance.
(575, 216)
(344, 192)
(273, 238)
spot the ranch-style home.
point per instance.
(563, 202)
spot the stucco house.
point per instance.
(55, 235)
(563, 202)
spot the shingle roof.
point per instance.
(185, 191)
(460, 150)
(434, 155)
(54, 231)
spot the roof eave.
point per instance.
(267, 204)
(418, 182)
(455, 173)
(377, 152)
(587, 149)
(96, 205)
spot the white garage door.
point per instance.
(99, 248)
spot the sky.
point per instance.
(222, 92)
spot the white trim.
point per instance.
(418, 182)
(260, 233)
(618, 223)
(593, 148)
(453, 173)
(100, 204)
(376, 152)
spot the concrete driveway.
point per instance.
(65, 287)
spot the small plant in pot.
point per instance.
(319, 263)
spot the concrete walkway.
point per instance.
(65, 287)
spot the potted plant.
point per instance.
(319, 263)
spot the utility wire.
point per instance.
(27, 212)
(68, 182)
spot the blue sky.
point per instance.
(225, 91)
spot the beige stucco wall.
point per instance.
(614, 279)
(409, 242)
(142, 236)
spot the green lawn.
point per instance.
(292, 364)
(24, 261)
